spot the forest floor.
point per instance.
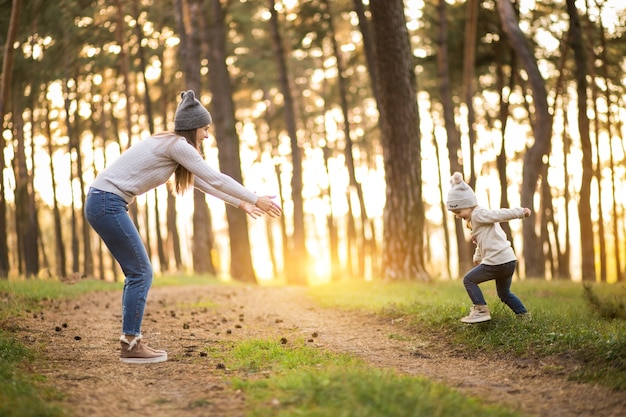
(79, 339)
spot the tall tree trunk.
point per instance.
(368, 46)
(45, 264)
(7, 71)
(203, 243)
(615, 215)
(584, 206)
(124, 71)
(142, 66)
(163, 258)
(272, 138)
(503, 116)
(367, 232)
(120, 37)
(60, 259)
(399, 121)
(331, 220)
(452, 132)
(115, 268)
(150, 118)
(71, 148)
(442, 204)
(173, 238)
(101, 119)
(26, 225)
(597, 172)
(542, 128)
(619, 103)
(223, 111)
(283, 224)
(370, 56)
(298, 260)
(565, 255)
(85, 228)
(469, 63)
(619, 276)
(545, 204)
(187, 17)
(333, 236)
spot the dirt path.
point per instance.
(79, 339)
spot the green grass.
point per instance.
(569, 323)
(259, 355)
(22, 393)
(16, 296)
(564, 325)
(295, 379)
(609, 304)
(181, 280)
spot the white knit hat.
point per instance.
(190, 113)
(460, 195)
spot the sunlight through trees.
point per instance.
(353, 113)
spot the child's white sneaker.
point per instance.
(479, 314)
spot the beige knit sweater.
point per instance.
(492, 246)
(151, 162)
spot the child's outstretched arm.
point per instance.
(481, 215)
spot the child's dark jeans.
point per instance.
(503, 275)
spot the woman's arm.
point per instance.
(207, 188)
(189, 157)
(221, 185)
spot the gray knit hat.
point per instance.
(190, 113)
(460, 195)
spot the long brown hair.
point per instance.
(183, 179)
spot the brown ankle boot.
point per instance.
(137, 352)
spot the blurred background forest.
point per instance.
(354, 113)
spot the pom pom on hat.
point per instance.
(460, 195)
(190, 113)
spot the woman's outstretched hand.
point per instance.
(268, 206)
(252, 210)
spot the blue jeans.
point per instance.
(503, 275)
(107, 213)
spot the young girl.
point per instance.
(494, 258)
(144, 166)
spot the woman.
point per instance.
(142, 167)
